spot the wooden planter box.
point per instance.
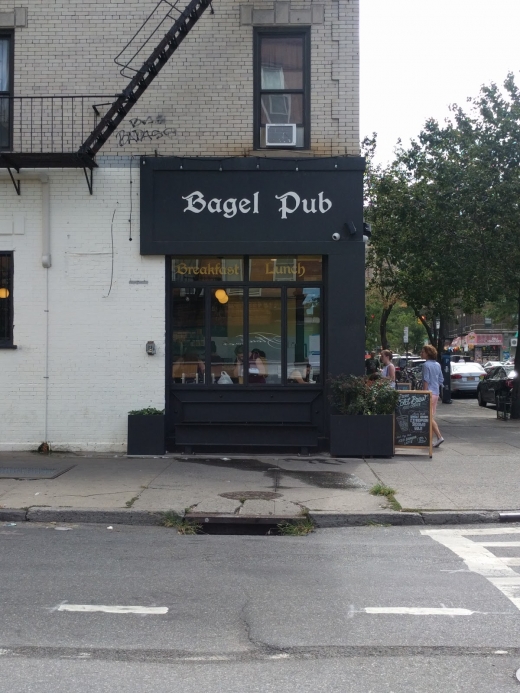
(362, 436)
(145, 434)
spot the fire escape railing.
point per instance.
(40, 125)
(68, 131)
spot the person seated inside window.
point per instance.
(301, 373)
(257, 371)
(188, 369)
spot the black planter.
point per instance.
(362, 436)
(145, 434)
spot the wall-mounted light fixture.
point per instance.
(221, 296)
(150, 348)
(4, 293)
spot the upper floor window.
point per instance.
(5, 89)
(282, 89)
(6, 299)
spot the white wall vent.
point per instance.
(280, 135)
(513, 341)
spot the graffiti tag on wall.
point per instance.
(141, 133)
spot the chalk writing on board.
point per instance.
(412, 419)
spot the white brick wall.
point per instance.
(98, 368)
(204, 94)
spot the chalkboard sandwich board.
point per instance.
(413, 420)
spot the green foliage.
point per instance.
(382, 490)
(297, 528)
(357, 394)
(181, 524)
(147, 411)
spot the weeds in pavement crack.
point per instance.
(382, 490)
(181, 524)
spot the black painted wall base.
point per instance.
(362, 436)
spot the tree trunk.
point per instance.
(515, 398)
(385, 314)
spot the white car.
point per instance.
(491, 364)
(465, 377)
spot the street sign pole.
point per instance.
(405, 341)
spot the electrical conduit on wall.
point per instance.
(46, 263)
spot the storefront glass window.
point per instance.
(303, 335)
(188, 336)
(207, 269)
(296, 268)
(227, 335)
(265, 336)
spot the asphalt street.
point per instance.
(386, 609)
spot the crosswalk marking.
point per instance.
(418, 611)
(480, 559)
(91, 608)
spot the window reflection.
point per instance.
(303, 335)
(188, 336)
(227, 329)
(265, 330)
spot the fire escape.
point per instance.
(43, 131)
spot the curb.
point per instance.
(321, 520)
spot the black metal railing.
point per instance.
(49, 124)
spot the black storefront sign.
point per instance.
(243, 239)
(247, 205)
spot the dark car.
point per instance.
(496, 383)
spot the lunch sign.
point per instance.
(413, 420)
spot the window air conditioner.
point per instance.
(280, 135)
(513, 341)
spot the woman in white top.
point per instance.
(388, 371)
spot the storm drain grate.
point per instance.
(31, 473)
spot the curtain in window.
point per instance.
(282, 63)
(4, 64)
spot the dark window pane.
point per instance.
(227, 335)
(6, 298)
(188, 336)
(282, 108)
(207, 269)
(281, 63)
(265, 336)
(303, 335)
(4, 122)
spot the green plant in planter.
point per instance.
(357, 394)
(148, 411)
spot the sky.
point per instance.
(420, 56)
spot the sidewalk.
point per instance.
(472, 476)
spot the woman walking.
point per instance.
(432, 380)
(388, 371)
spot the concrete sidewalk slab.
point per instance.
(476, 471)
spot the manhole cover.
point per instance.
(251, 495)
(32, 472)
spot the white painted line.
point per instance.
(90, 608)
(497, 543)
(474, 532)
(510, 561)
(417, 611)
(480, 560)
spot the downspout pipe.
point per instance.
(46, 210)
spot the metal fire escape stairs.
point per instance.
(183, 22)
(145, 75)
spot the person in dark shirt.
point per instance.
(371, 364)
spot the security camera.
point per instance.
(336, 236)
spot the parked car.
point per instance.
(492, 364)
(498, 382)
(465, 377)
